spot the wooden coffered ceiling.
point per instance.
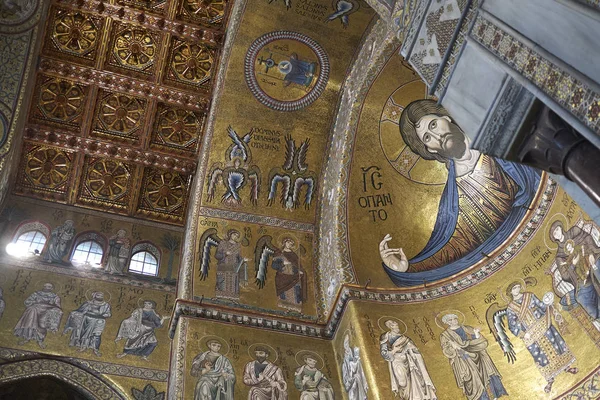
(119, 104)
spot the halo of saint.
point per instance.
(381, 323)
(440, 315)
(303, 353)
(204, 340)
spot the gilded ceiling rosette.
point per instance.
(47, 167)
(207, 12)
(191, 62)
(45, 171)
(120, 115)
(134, 48)
(75, 33)
(106, 183)
(177, 129)
(61, 100)
(164, 194)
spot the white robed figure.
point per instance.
(408, 374)
(353, 375)
(216, 375)
(265, 379)
(311, 382)
(42, 314)
(87, 323)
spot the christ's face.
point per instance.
(215, 347)
(558, 234)
(440, 135)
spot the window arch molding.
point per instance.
(148, 247)
(33, 226)
(90, 236)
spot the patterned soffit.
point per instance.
(119, 105)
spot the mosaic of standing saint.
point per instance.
(87, 323)
(535, 322)
(265, 379)
(138, 331)
(216, 377)
(409, 377)
(483, 201)
(310, 380)
(466, 350)
(578, 262)
(353, 374)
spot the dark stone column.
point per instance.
(553, 145)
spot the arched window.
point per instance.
(143, 262)
(32, 241)
(29, 239)
(145, 259)
(88, 252)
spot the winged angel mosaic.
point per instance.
(236, 173)
(290, 277)
(537, 323)
(294, 177)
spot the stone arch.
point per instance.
(85, 381)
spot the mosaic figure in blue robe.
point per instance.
(466, 350)
(531, 320)
(138, 330)
(483, 202)
(578, 261)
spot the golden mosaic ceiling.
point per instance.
(119, 105)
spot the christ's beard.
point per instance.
(454, 145)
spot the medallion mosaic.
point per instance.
(286, 71)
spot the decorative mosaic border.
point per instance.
(256, 219)
(94, 386)
(279, 105)
(334, 263)
(415, 22)
(574, 95)
(97, 366)
(442, 84)
(196, 310)
(72, 271)
(587, 389)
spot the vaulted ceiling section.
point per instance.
(119, 106)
